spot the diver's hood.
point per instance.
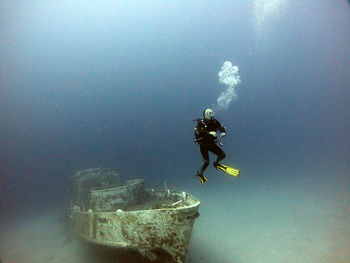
(208, 114)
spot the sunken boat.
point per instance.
(106, 211)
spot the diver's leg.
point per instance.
(205, 155)
(219, 152)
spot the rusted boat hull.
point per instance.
(143, 230)
(108, 212)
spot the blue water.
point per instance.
(117, 84)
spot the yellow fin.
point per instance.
(229, 170)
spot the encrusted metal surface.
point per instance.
(130, 216)
(167, 228)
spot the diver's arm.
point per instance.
(220, 127)
(202, 132)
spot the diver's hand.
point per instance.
(223, 134)
(212, 133)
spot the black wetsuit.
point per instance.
(207, 142)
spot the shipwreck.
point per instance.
(106, 211)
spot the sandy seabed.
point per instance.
(239, 223)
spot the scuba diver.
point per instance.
(206, 137)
